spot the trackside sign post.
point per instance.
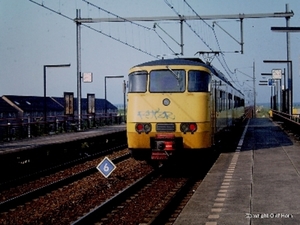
(106, 167)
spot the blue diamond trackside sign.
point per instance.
(106, 167)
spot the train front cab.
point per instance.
(163, 121)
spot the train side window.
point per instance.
(223, 100)
(229, 101)
(137, 82)
(236, 102)
(198, 81)
(220, 101)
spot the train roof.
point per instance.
(189, 62)
(176, 61)
(184, 61)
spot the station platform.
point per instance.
(57, 139)
(259, 183)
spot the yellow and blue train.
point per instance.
(178, 105)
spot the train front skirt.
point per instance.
(164, 146)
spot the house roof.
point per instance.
(5, 107)
(10, 103)
(33, 103)
(99, 103)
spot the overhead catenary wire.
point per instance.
(117, 16)
(96, 30)
(178, 14)
(139, 25)
(139, 46)
(221, 58)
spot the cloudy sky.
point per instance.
(33, 36)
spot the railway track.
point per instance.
(157, 198)
(161, 194)
(38, 173)
(69, 201)
(20, 195)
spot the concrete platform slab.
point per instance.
(257, 184)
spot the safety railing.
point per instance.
(28, 127)
(291, 121)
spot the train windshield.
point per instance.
(137, 81)
(198, 81)
(167, 81)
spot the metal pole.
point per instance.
(272, 96)
(105, 106)
(254, 91)
(45, 104)
(291, 91)
(105, 88)
(280, 95)
(289, 72)
(276, 95)
(181, 36)
(242, 36)
(124, 103)
(284, 93)
(45, 86)
(78, 43)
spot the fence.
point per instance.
(291, 121)
(28, 127)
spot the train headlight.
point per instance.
(147, 127)
(184, 127)
(143, 127)
(188, 127)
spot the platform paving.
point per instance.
(32, 143)
(257, 184)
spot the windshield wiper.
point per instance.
(175, 75)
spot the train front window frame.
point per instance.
(167, 81)
(137, 82)
(198, 81)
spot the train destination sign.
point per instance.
(106, 167)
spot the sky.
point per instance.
(32, 36)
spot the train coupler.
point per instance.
(164, 146)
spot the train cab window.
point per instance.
(167, 81)
(137, 81)
(198, 81)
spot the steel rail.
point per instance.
(163, 214)
(105, 207)
(21, 199)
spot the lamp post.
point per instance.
(105, 96)
(289, 83)
(281, 89)
(45, 73)
(287, 30)
(124, 99)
